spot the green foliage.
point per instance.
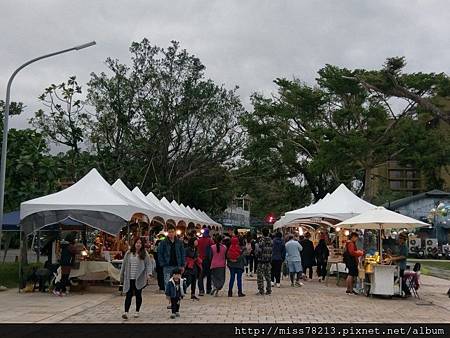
(160, 124)
(9, 273)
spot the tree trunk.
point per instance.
(368, 185)
(24, 250)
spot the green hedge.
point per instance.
(9, 273)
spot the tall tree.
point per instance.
(64, 121)
(159, 122)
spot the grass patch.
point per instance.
(9, 273)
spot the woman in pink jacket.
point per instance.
(218, 264)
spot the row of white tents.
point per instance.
(93, 201)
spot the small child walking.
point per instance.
(175, 290)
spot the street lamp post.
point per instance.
(5, 123)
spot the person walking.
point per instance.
(264, 254)
(204, 243)
(321, 253)
(175, 290)
(171, 254)
(68, 252)
(307, 255)
(193, 266)
(294, 260)
(218, 264)
(235, 262)
(134, 275)
(249, 254)
(278, 256)
(351, 256)
(159, 269)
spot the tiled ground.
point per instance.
(314, 302)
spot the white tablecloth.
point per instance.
(93, 270)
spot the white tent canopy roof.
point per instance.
(381, 218)
(176, 211)
(340, 205)
(154, 206)
(91, 200)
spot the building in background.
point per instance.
(237, 215)
(420, 207)
(401, 180)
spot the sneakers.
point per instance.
(240, 294)
(272, 283)
(56, 293)
(293, 285)
(201, 293)
(125, 315)
(194, 298)
(260, 293)
(278, 285)
(177, 314)
(172, 316)
(268, 293)
(136, 315)
(298, 284)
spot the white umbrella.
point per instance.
(381, 218)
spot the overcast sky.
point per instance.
(244, 43)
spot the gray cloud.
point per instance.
(245, 43)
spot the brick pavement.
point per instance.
(312, 303)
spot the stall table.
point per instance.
(93, 270)
(339, 267)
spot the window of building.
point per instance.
(395, 184)
(395, 174)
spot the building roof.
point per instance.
(406, 200)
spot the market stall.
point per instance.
(380, 277)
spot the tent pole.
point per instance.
(381, 244)
(20, 258)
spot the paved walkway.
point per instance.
(313, 303)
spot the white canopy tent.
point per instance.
(120, 187)
(176, 211)
(340, 205)
(91, 201)
(380, 218)
(154, 206)
(207, 218)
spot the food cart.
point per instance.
(378, 277)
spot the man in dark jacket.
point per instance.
(264, 255)
(278, 256)
(171, 254)
(308, 260)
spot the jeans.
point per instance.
(233, 274)
(175, 304)
(167, 271)
(160, 277)
(206, 272)
(250, 262)
(191, 279)
(305, 268)
(322, 270)
(137, 293)
(63, 283)
(276, 271)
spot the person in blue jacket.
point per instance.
(171, 254)
(278, 256)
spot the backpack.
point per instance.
(265, 250)
(248, 248)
